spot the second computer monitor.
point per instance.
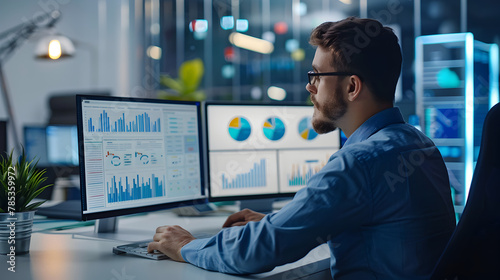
(263, 151)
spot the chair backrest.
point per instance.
(473, 251)
(63, 106)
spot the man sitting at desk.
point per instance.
(382, 202)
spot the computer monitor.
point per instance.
(53, 145)
(263, 150)
(62, 144)
(35, 144)
(138, 155)
(3, 138)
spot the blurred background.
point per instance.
(231, 50)
(125, 47)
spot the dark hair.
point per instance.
(364, 47)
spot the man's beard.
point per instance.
(325, 116)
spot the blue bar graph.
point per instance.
(302, 173)
(141, 123)
(256, 177)
(129, 188)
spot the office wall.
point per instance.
(101, 31)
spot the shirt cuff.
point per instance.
(189, 251)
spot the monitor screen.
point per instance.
(138, 155)
(53, 145)
(62, 145)
(35, 144)
(259, 151)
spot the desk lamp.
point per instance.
(49, 47)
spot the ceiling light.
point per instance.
(251, 43)
(276, 93)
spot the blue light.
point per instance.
(228, 71)
(494, 94)
(241, 25)
(291, 45)
(198, 25)
(469, 110)
(227, 22)
(446, 78)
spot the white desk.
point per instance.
(68, 255)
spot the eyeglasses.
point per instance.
(311, 75)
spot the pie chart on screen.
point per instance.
(274, 128)
(306, 130)
(239, 129)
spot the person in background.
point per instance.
(382, 202)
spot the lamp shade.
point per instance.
(54, 47)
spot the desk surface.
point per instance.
(69, 254)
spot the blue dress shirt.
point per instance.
(382, 203)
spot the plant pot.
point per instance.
(15, 231)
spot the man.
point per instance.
(382, 202)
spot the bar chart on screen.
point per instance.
(121, 188)
(247, 172)
(254, 178)
(115, 121)
(297, 167)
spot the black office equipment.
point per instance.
(473, 251)
(69, 209)
(3, 137)
(63, 106)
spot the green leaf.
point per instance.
(28, 182)
(174, 84)
(34, 205)
(191, 73)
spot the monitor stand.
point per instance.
(107, 229)
(264, 205)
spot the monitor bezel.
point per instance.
(252, 196)
(3, 138)
(141, 209)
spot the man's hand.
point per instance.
(243, 217)
(170, 240)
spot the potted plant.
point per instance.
(20, 183)
(185, 87)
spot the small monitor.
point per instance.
(138, 155)
(35, 144)
(62, 145)
(3, 138)
(53, 145)
(263, 151)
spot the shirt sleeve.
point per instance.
(336, 199)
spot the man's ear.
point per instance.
(354, 88)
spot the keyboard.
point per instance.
(141, 248)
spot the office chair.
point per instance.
(63, 106)
(473, 251)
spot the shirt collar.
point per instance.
(375, 123)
